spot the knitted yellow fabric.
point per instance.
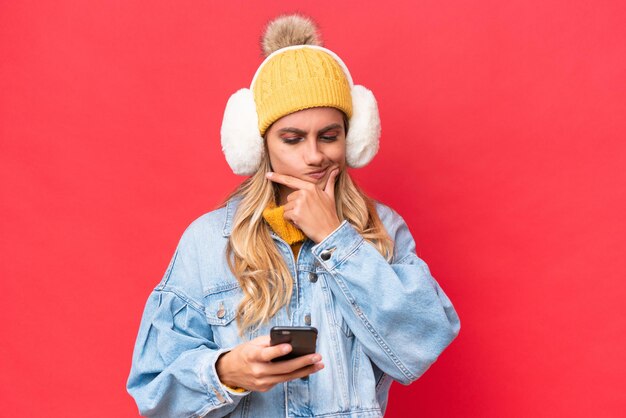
(286, 230)
(298, 79)
(236, 390)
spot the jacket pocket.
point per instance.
(221, 310)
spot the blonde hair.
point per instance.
(257, 263)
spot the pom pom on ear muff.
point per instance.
(362, 142)
(241, 142)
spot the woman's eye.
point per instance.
(329, 138)
(291, 140)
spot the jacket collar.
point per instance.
(231, 208)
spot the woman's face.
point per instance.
(308, 145)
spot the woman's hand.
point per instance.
(249, 365)
(309, 207)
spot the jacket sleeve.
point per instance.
(396, 310)
(173, 369)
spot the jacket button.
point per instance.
(325, 255)
(307, 319)
(221, 312)
(312, 277)
(218, 395)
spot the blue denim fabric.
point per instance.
(377, 322)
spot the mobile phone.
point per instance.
(302, 339)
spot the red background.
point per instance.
(503, 147)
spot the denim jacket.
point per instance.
(377, 322)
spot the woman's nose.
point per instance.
(312, 152)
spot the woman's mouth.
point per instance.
(317, 175)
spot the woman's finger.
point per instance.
(289, 205)
(269, 353)
(305, 371)
(288, 181)
(289, 366)
(292, 212)
(329, 189)
(293, 195)
(288, 214)
(262, 341)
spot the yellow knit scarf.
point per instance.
(293, 236)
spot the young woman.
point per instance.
(297, 244)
